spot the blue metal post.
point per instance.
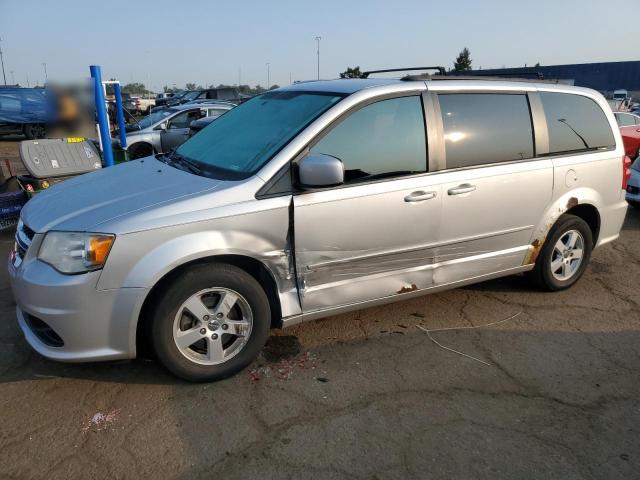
(101, 110)
(120, 114)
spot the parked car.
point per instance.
(633, 187)
(229, 94)
(143, 105)
(630, 129)
(164, 130)
(315, 199)
(161, 99)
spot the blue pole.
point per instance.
(120, 113)
(101, 110)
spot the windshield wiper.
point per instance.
(185, 162)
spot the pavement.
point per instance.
(551, 393)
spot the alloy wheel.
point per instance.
(212, 326)
(567, 254)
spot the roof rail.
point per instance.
(441, 70)
(478, 73)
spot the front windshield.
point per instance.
(190, 95)
(155, 117)
(242, 140)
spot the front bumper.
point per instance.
(92, 324)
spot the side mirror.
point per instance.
(163, 126)
(319, 170)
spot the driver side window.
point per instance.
(383, 139)
(184, 119)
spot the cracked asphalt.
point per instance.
(365, 395)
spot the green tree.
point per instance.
(135, 88)
(463, 62)
(274, 86)
(190, 86)
(351, 73)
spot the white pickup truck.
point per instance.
(143, 105)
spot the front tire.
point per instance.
(565, 254)
(211, 322)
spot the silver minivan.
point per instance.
(316, 199)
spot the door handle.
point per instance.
(460, 189)
(419, 196)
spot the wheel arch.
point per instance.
(583, 203)
(141, 144)
(252, 266)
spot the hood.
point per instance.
(87, 201)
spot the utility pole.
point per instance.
(239, 76)
(318, 38)
(13, 79)
(268, 75)
(2, 61)
(28, 84)
(44, 64)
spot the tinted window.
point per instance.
(624, 120)
(383, 139)
(575, 123)
(184, 119)
(481, 128)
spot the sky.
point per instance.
(209, 42)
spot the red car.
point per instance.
(630, 129)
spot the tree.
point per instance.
(190, 86)
(351, 73)
(537, 65)
(135, 88)
(274, 86)
(463, 62)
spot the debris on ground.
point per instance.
(100, 421)
(284, 369)
(430, 331)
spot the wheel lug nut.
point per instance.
(219, 315)
(225, 326)
(214, 336)
(205, 318)
(203, 331)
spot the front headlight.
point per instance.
(75, 252)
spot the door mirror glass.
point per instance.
(163, 126)
(319, 170)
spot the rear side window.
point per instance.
(625, 120)
(384, 139)
(482, 128)
(575, 123)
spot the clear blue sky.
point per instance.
(165, 42)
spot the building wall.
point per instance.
(604, 77)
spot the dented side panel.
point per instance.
(256, 229)
(363, 242)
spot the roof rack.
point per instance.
(538, 75)
(441, 70)
(493, 78)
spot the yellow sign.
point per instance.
(75, 140)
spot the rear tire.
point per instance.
(564, 256)
(194, 339)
